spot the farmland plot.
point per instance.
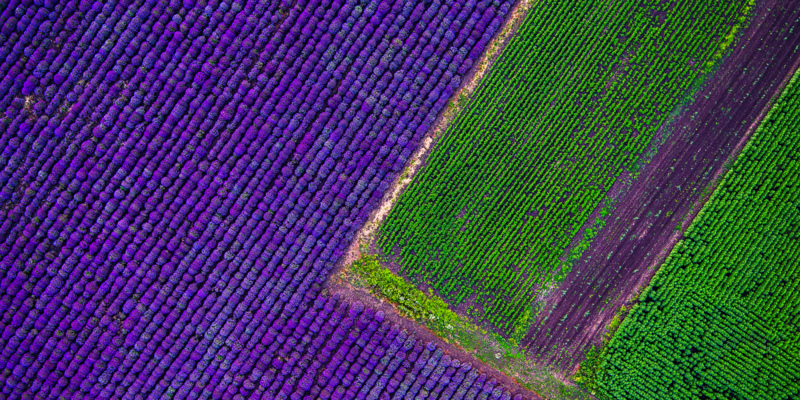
(624, 242)
(720, 317)
(571, 103)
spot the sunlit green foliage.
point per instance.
(571, 103)
(431, 312)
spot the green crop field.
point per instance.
(720, 318)
(572, 102)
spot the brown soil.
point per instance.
(654, 208)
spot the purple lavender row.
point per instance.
(177, 178)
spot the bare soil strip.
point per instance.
(351, 294)
(656, 205)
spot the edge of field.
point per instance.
(460, 99)
(593, 225)
(716, 179)
(430, 319)
(511, 369)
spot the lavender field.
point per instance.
(177, 178)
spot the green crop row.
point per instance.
(571, 103)
(720, 318)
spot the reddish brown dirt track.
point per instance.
(641, 230)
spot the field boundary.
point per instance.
(597, 352)
(429, 317)
(684, 213)
(366, 235)
(714, 182)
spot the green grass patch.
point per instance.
(410, 301)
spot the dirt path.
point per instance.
(352, 294)
(654, 208)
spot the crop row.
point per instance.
(569, 106)
(720, 318)
(177, 178)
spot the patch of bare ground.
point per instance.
(654, 206)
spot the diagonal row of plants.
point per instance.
(573, 100)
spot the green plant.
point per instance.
(502, 354)
(590, 367)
